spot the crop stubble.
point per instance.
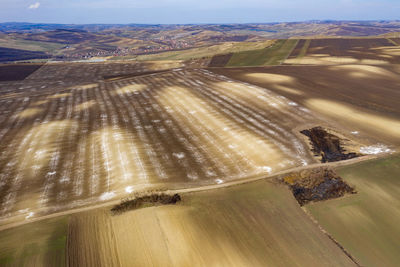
(72, 145)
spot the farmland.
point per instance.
(346, 50)
(366, 224)
(254, 224)
(271, 55)
(269, 229)
(10, 54)
(365, 99)
(207, 51)
(228, 146)
(77, 143)
(17, 72)
(37, 244)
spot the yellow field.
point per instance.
(257, 224)
(366, 224)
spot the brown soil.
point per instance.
(360, 97)
(135, 201)
(18, 72)
(327, 146)
(354, 48)
(316, 185)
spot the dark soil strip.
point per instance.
(220, 60)
(17, 72)
(296, 52)
(10, 54)
(136, 202)
(327, 145)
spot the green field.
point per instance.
(273, 55)
(40, 243)
(367, 224)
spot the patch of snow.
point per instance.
(266, 169)
(211, 173)
(64, 179)
(377, 149)
(304, 162)
(129, 189)
(179, 155)
(30, 215)
(354, 132)
(219, 181)
(293, 104)
(107, 196)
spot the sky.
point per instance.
(194, 11)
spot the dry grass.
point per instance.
(366, 224)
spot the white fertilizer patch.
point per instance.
(107, 196)
(377, 149)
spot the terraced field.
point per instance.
(82, 144)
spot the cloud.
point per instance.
(34, 6)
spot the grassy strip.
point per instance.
(273, 55)
(35, 244)
(30, 45)
(281, 55)
(393, 42)
(304, 49)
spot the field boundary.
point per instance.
(249, 179)
(331, 237)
